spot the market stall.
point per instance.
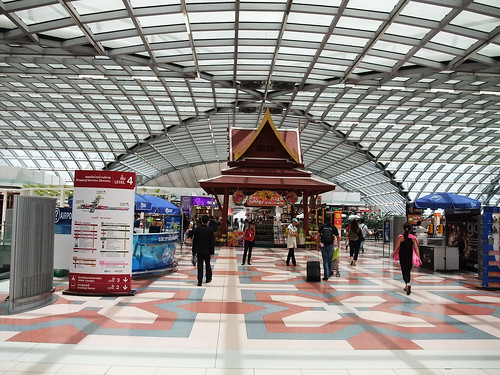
(455, 247)
(265, 170)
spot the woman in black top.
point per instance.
(406, 244)
(355, 236)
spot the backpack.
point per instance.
(327, 235)
(355, 236)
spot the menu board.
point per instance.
(102, 230)
(491, 248)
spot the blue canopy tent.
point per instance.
(142, 204)
(446, 201)
(160, 205)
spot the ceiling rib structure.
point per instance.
(395, 99)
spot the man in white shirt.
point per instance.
(420, 228)
(364, 230)
(292, 241)
(421, 233)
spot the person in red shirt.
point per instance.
(249, 237)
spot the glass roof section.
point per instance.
(395, 99)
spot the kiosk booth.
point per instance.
(154, 244)
(456, 246)
(265, 170)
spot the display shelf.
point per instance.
(264, 233)
(279, 235)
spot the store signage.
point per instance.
(203, 201)
(103, 215)
(265, 198)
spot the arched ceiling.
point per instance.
(394, 98)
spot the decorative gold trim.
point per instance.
(268, 119)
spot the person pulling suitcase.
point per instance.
(328, 234)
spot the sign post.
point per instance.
(102, 230)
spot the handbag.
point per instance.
(336, 253)
(416, 260)
(396, 255)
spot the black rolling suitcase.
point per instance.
(313, 270)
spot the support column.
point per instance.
(4, 213)
(225, 211)
(305, 198)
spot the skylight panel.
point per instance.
(358, 23)
(392, 47)
(310, 19)
(205, 17)
(126, 42)
(491, 50)
(97, 6)
(307, 37)
(370, 5)
(476, 21)
(111, 26)
(379, 61)
(6, 23)
(407, 31)
(433, 55)
(425, 11)
(453, 40)
(215, 34)
(42, 14)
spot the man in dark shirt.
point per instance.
(328, 234)
(204, 248)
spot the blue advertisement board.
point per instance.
(173, 223)
(387, 231)
(490, 274)
(153, 252)
(63, 220)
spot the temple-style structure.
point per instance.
(265, 170)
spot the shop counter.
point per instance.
(154, 253)
(433, 258)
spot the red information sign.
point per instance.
(103, 215)
(337, 221)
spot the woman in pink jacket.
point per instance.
(406, 245)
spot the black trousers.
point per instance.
(204, 259)
(291, 255)
(354, 249)
(406, 266)
(248, 248)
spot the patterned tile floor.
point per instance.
(264, 319)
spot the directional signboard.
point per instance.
(102, 229)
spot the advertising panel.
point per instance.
(337, 221)
(387, 231)
(102, 228)
(153, 251)
(490, 274)
(462, 232)
(63, 241)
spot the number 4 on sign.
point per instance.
(130, 181)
